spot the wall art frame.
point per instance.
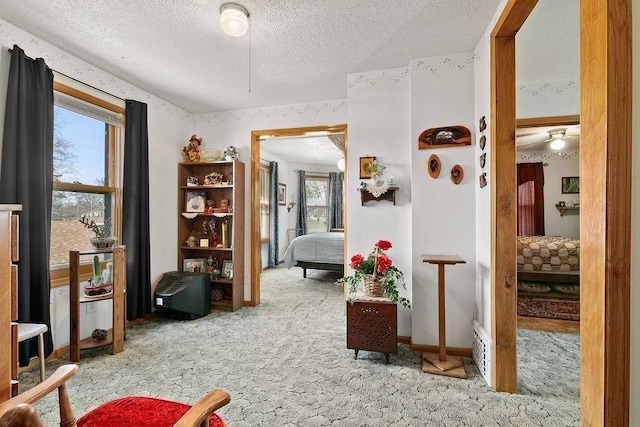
(366, 164)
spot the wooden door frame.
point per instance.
(605, 206)
(255, 192)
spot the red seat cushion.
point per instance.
(139, 411)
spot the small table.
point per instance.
(372, 325)
(115, 335)
(440, 363)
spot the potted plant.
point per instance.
(103, 240)
(377, 173)
(377, 273)
(102, 282)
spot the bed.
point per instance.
(318, 251)
(549, 265)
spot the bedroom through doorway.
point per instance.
(282, 162)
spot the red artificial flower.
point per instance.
(383, 245)
(383, 263)
(356, 260)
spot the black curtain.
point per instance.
(26, 177)
(335, 218)
(301, 220)
(135, 210)
(274, 208)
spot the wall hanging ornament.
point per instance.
(483, 142)
(449, 136)
(433, 166)
(483, 180)
(483, 159)
(482, 123)
(457, 174)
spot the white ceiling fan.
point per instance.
(556, 138)
(538, 138)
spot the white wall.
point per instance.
(169, 129)
(379, 125)
(482, 108)
(548, 98)
(557, 167)
(283, 215)
(234, 128)
(442, 213)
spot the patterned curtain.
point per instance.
(274, 250)
(530, 199)
(336, 201)
(301, 221)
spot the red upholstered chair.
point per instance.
(128, 411)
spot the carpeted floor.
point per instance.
(550, 308)
(285, 363)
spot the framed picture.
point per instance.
(194, 265)
(227, 268)
(204, 243)
(195, 201)
(282, 194)
(365, 167)
(570, 184)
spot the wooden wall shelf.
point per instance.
(565, 209)
(366, 196)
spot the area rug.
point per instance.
(550, 308)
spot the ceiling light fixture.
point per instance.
(557, 138)
(341, 164)
(234, 19)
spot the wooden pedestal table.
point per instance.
(115, 335)
(439, 363)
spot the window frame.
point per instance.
(265, 169)
(317, 177)
(59, 273)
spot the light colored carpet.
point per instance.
(285, 363)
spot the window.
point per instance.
(88, 134)
(265, 197)
(317, 191)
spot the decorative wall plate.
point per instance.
(483, 141)
(450, 136)
(457, 174)
(433, 166)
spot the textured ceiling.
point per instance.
(317, 150)
(547, 45)
(301, 50)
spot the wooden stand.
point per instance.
(8, 300)
(116, 335)
(440, 363)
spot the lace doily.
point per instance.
(378, 191)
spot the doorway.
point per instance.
(605, 164)
(256, 138)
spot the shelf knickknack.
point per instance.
(102, 240)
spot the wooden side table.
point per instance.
(440, 363)
(372, 326)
